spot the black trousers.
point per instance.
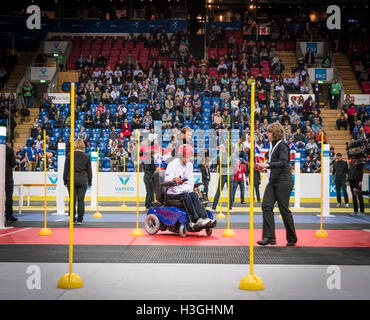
(239, 183)
(149, 199)
(205, 185)
(354, 185)
(338, 185)
(9, 187)
(194, 207)
(217, 195)
(281, 193)
(79, 199)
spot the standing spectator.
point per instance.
(149, 169)
(238, 180)
(206, 175)
(9, 182)
(310, 58)
(316, 87)
(355, 175)
(335, 94)
(28, 94)
(340, 176)
(82, 179)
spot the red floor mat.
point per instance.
(114, 236)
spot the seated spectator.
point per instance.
(113, 136)
(177, 120)
(226, 120)
(38, 141)
(356, 129)
(58, 120)
(299, 138)
(342, 120)
(108, 118)
(47, 126)
(147, 121)
(98, 120)
(318, 137)
(326, 63)
(316, 126)
(361, 134)
(101, 108)
(167, 120)
(309, 166)
(112, 153)
(117, 120)
(311, 144)
(304, 88)
(137, 120)
(115, 95)
(88, 120)
(96, 95)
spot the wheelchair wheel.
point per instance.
(182, 231)
(152, 224)
(209, 232)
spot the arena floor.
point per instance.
(114, 265)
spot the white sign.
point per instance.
(42, 73)
(58, 98)
(51, 47)
(359, 99)
(321, 74)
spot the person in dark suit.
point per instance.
(82, 178)
(279, 187)
(206, 175)
(9, 182)
(149, 169)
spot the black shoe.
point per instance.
(11, 219)
(266, 241)
(291, 244)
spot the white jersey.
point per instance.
(177, 169)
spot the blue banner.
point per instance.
(320, 74)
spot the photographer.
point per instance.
(340, 173)
(355, 174)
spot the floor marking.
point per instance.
(6, 234)
(62, 219)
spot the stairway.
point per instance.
(335, 137)
(23, 129)
(350, 83)
(288, 59)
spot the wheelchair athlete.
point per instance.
(178, 170)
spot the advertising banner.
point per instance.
(51, 47)
(42, 73)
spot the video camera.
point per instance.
(358, 156)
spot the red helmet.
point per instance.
(186, 149)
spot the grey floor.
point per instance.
(180, 281)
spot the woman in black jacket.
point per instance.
(82, 178)
(279, 187)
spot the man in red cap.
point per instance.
(178, 170)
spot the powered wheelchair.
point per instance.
(171, 214)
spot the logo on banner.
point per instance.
(124, 183)
(320, 74)
(312, 46)
(43, 70)
(56, 45)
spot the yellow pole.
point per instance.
(220, 215)
(251, 281)
(97, 214)
(228, 232)
(159, 159)
(321, 233)
(124, 183)
(71, 280)
(137, 232)
(45, 231)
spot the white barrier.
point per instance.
(61, 189)
(2, 176)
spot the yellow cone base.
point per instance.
(321, 234)
(280, 217)
(251, 282)
(137, 233)
(97, 215)
(228, 233)
(45, 232)
(124, 206)
(70, 281)
(220, 216)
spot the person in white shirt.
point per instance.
(178, 170)
(115, 95)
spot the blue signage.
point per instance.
(312, 46)
(320, 74)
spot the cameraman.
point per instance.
(355, 174)
(340, 173)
